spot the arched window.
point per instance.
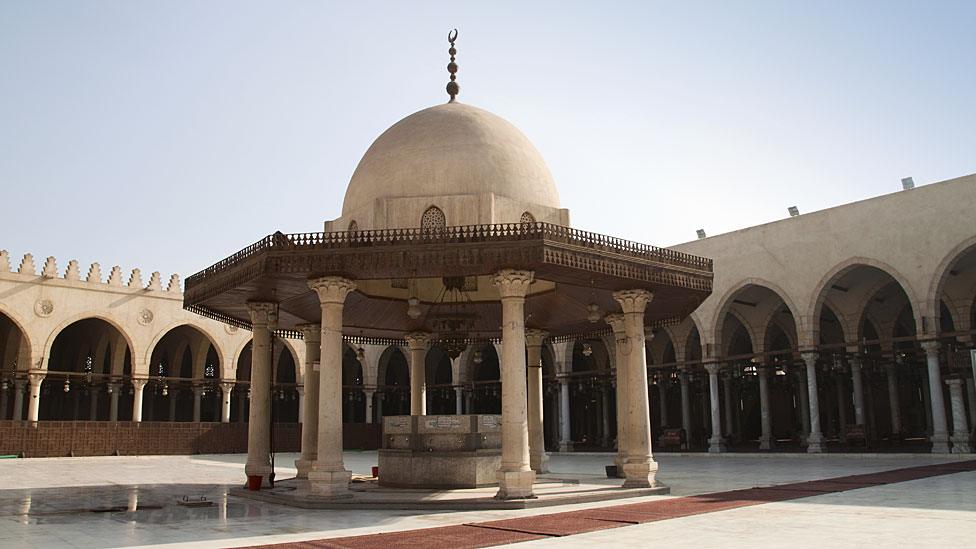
(353, 226)
(527, 218)
(433, 218)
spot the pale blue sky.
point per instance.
(166, 135)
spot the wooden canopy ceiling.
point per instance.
(576, 268)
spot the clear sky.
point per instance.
(167, 135)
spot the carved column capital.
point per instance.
(139, 383)
(227, 386)
(332, 289)
(633, 301)
(810, 357)
(311, 332)
(263, 313)
(535, 337)
(36, 379)
(713, 368)
(513, 283)
(930, 347)
(418, 341)
(616, 322)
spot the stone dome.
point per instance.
(451, 149)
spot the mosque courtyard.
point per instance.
(133, 501)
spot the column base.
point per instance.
(641, 474)
(961, 445)
(515, 485)
(940, 443)
(332, 484)
(620, 460)
(304, 466)
(717, 446)
(540, 464)
(565, 446)
(765, 443)
(815, 444)
(262, 470)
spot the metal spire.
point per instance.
(452, 87)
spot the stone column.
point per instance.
(197, 401)
(641, 469)
(960, 424)
(940, 435)
(565, 429)
(538, 458)
(418, 343)
(226, 390)
(458, 400)
(815, 441)
(3, 402)
(927, 404)
(264, 318)
(857, 384)
(971, 394)
(312, 336)
(34, 405)
(685, 405)
(605, 418)
(841, 389)
(727, 393)
(138, 390)
(662, 398)
(515, 477)
(300, 389)
(716, 444)
(618, 325)
(18, 411)
(804, 397)
(113, 407)
(893, 400)
(328, 476)
(368, 395)
(93, 404)
(766, 439)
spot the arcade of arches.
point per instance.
(873, 375)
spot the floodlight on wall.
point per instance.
(701, 233)
(793, 211)
(907, 183)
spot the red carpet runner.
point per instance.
(500, 532)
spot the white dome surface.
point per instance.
(451, 149)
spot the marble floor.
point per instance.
(131, 501)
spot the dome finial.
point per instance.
(452, 87)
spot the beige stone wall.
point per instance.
(42, 300)
(459, 209)
(915, 236)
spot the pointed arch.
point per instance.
(834, 274)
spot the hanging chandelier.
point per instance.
(451, 317)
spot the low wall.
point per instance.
(104, 438)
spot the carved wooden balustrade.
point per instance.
(505, 232)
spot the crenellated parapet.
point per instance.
(72, 273)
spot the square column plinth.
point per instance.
(332, 484)
(515, 484)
